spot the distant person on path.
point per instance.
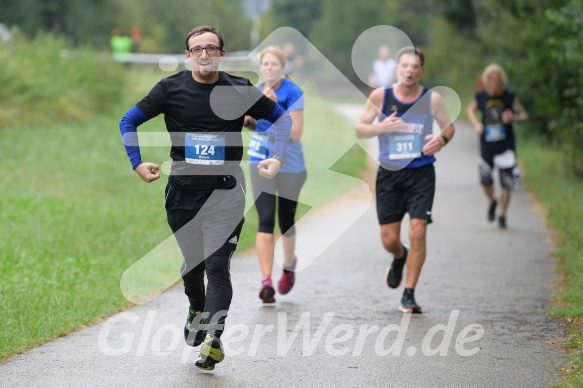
(499, 108)
(121, 43)
(382, 74)
(204, 110)
(282, 192)
(294, 60)
(136, 38)
(406, 176)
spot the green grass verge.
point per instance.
(75, 216)
(39, 85)
(547, 173)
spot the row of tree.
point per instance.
(541, 43)
(163, 24)
(537, 41)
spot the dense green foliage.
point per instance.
(538, 42)
(336, 43)
(163, 24)
(299, 14)
(566, 49)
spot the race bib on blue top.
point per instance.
(258, 146)
(404, 146)
(494, 132)
(204, 148)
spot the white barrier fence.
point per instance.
(236, 60)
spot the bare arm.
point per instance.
(444, 121)
(365, 128)
(520, 114)
(471, 111)
(517, 113)
(372, 79)
(441, 116)
(297, 124)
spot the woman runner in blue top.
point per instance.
(285, 187)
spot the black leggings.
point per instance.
(207, 227)
(285, 188)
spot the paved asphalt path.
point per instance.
(489, 286)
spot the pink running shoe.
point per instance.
(267, 291)
(287, 280)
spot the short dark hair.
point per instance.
(201, 30)
(412, 51)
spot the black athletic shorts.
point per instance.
(410, 190)
(204, 222)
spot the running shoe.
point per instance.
(286, 282)
(502, 222)
(194, 328)
(408, 304)
(211, 353)
(267, 291)
(287, 279)
(395, 271)
(492, 211)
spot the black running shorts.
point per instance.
(410, 190)
(204, 222)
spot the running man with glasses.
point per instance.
(204, 110)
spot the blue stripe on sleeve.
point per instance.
(275, 113)
(128, 126)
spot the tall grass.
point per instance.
(38, 85)
(549, 175)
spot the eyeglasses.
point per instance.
(197, 51)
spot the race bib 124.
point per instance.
(204, 148)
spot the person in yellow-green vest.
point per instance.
(121, 43)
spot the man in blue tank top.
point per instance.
(406, 177)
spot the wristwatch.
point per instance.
(445, 139)
(280, 158)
